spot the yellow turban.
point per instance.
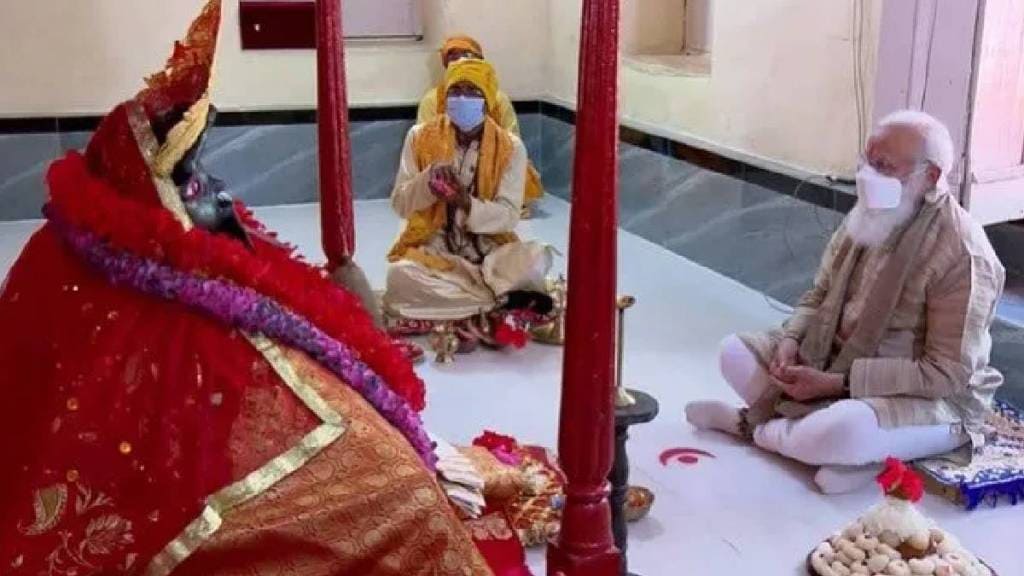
(463, 43)
(478, 73)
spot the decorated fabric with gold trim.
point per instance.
(198, 470)
(111, 391)
(155, 403)
(362, 506)
(132, 400)
(90, 531)
(494, 537)
(502, 482)
(537, 514)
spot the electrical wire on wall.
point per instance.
(858, 20)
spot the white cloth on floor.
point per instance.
(459, 479)
(416, 291)
(846, 433)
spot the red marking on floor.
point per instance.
(685, 456)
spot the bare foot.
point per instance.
(714, 415)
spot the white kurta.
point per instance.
(483, 271)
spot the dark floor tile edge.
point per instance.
(812, 192)
(819, 191)
(60, 124)
(33, 125)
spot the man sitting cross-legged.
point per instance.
(888, 353)
(460, 190)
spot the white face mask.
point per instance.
(879, 192)
(466, 112)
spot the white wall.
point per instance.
(68, 58)
(780, 88)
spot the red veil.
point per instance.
(122, 412)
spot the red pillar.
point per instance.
(586, 433)
(336, 215)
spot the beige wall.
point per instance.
(66, 58)
(652, 26)
(780, 88)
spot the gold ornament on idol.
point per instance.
(182, 137)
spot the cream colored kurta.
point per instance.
(483, 270)
(932, 364)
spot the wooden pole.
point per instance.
(336, 214)
(586, 433)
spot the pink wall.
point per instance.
(925, 58)
(996, 191)
(998, 136)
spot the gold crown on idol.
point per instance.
(184, 81)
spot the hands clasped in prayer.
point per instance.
(446, 186)
(802, 383)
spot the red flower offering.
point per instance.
(510, 336)
(504, 448)
(899, 481)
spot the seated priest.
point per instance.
(182, 396)
(460, 191)
(888, 353)
(435, 100)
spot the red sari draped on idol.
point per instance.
(177, 401)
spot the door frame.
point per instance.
(927, 57)
(992, 195)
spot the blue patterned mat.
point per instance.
(995, 475)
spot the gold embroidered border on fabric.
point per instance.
(259, 481)
(149, 147)
(182, 137)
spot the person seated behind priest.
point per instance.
(460, 190)
(433, 104)
(888, 353)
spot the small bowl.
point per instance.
(639, 501)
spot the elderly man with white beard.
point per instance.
(888, 353)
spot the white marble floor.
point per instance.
(740, 512)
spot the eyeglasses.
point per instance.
(882, 165)
(887, 167)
